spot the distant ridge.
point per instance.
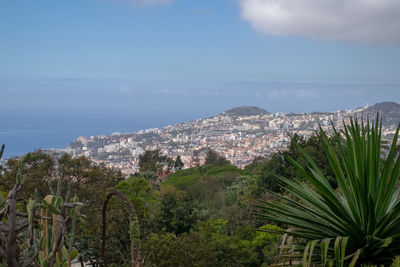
(246, 111)
(241, 134)
(390, 112)
(385, 107)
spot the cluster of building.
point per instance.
(239, 138)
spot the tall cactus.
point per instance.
(18, 233)
(55, 252)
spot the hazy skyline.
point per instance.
(199, 99)
(212, 55)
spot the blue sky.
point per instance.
(203, 56)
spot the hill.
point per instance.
(246, 111)
(390, 112)
(236, 134)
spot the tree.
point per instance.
(144, 198)
(270, 168)
(256, 165)
(361, 215)
(178, 165)
(39, 169)
(178, 214)
(152, 161)
(90, 182)
(22, 241)
(208, 246)
(213, 158)
(188, 249)
(314, 146)
(277, 164)
(87, 181)
(170, 165)
(195, 158)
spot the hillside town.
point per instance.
(239, 136)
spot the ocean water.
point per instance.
(26, 131)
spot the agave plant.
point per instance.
(359, 222)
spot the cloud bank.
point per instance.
(361, 21)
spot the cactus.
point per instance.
(54, 252)
(45, 248)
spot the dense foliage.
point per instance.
(206, 215)
(37, 231)
(361, 215)
(277, 163)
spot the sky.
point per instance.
(197, 58)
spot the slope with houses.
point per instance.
(240, 134)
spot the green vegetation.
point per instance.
(22, 242)
(214, 159)
(152, 161)
(178, 164)
(84, 181)
(359, 221)
(278, 164)
(325, 200)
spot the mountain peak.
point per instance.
(246, 111)
(390, 112)
(387, 105)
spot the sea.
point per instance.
(27, 131)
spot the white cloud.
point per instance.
(362, 21)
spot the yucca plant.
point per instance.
(359, 222)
